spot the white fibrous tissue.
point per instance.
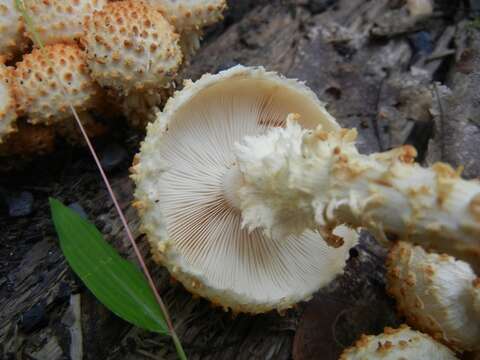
(297, 178)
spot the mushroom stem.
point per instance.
(295, 179)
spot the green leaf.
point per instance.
(116, 282)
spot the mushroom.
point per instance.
(131, 46)
(434, 292)
(40, 95)
(8, 112)
(186, 182)
(133, 50)
(320, 176)
(396, 344)
(58, 21)
(189, 17)
(12, 40)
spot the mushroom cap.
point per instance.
(396, 344)
(39, 93)
(8, 113)
(61, 20)
(131, 46)
(191, 15)
(434, 293)
(12, 41)
(185, 190)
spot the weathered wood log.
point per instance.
(329, 45)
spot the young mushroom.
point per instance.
(8, 111)
(60, 21)
(320, 176)
(133, 50)
(397, 344)
(189, 17)
(434, 292)
(186, 193)
(49, 79)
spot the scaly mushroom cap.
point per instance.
(434, 293)
(191, 15)
(186, 194)
(61, 20)
(39, 93)
(12, 41)
(131, 47)
(8, 113)
(397, 344)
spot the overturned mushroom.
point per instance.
(434, 292)
(186, 194)
(320, 176)
(396, 344)
(49, 79)
(60, 20)
(8, 111)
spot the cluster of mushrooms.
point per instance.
(111, 58)
(252, 195)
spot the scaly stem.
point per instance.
(295, 179)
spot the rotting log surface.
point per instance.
(379, 83)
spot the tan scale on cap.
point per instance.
(131, 47)
(434, 292)
(8, 112)
(39, 93)
(187, 194)
(12, 40)
(397, 344)
(60, 20)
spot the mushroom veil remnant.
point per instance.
(187, 183)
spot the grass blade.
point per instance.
(116, 282)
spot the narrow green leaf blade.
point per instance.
(116, 282)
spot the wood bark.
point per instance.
(373, 76)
